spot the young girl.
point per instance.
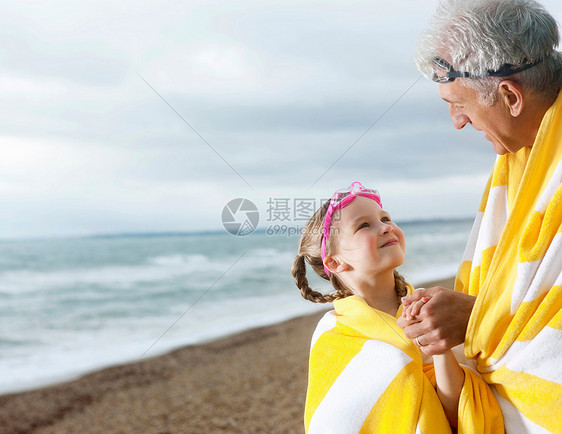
(364, 374)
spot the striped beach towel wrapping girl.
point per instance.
(366, 376)
(513, 263)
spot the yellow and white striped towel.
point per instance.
(366, 376)
(513, 264)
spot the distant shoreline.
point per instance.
(210, 232)
(253, 381)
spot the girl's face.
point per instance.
(367, 239)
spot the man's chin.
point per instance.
(499, 149)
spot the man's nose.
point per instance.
(459, 119)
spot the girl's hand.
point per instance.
(409, 299)
(442, 322)
(411, 310)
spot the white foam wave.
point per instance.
(430, 239)
(156, 269)
(71, 354)
(180, 260)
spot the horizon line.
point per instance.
(218, 231)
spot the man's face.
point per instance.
(495, 121)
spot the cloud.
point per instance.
(282, 91)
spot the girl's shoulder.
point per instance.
(327, 322)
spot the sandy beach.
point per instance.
(254, 382)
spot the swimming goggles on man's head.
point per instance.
(341, 199)
(443, 72)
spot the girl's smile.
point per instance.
(390, 243)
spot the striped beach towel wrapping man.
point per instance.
(365, 376)
(513, 263)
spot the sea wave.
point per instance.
(93, 303)
(157, 269)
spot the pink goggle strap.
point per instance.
(339, 205)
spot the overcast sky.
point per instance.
(128, 116)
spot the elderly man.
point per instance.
(498, 69)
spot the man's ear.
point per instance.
(511, 94)
(335, 265)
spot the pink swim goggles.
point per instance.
(341, 199)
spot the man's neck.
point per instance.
(536, 107)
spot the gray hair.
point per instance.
(477, 36)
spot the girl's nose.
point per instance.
(386, 228)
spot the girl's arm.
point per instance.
(450, 379)
(448, 373)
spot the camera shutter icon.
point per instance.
(240, 217)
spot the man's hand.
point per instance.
(438, 324)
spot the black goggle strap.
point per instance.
(504, 71)
(507, 69)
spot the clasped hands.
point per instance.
(436, 318)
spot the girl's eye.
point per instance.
(385, 219)
(363, 225)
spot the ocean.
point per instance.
(71, 306)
